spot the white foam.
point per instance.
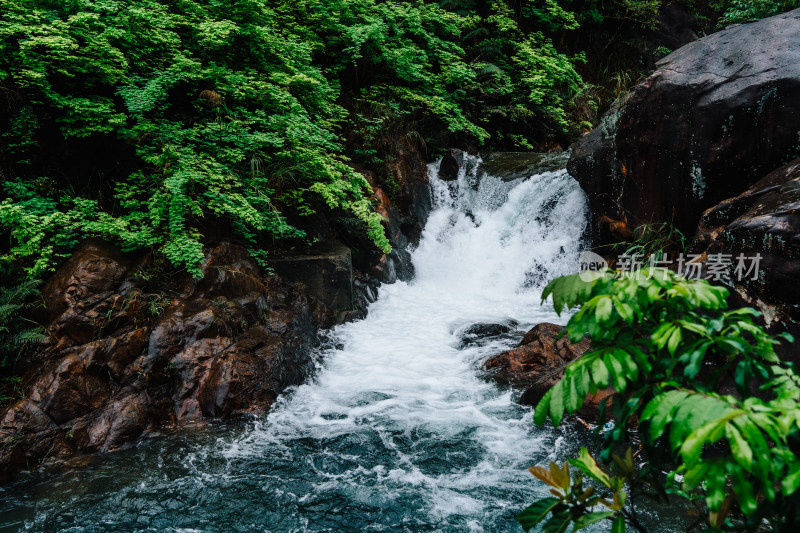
(484, 254)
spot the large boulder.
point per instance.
(718, 114)
(539, 362)
(126, 358)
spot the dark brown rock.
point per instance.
(95, 269)
(122, 421)
(717, 115)
(67, 389)
(25, 432)
(450, 165)
(326, 272)
(763, 221)
(539, 362)
(123, 361)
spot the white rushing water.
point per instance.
(486, 251)
(398, 431)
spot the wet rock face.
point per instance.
(764, 220)
(509, 166)
(718, 114)
(451, 164)
(123, 361)
(539, 362)
(326, 271)
(403, 197)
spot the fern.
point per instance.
(18, 334)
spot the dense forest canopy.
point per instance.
(151, 123)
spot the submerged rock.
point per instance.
(124, 361)
(539, 362)
(717, 115)
(481, 333)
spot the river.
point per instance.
(398, 431)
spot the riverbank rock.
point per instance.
(404, 199)
(539, 362)
(716, 116)
(763, 222)
(326, 272)
(125, 359)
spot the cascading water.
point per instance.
(397, 432)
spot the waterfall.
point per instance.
(398, 431)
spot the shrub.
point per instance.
(667, 345)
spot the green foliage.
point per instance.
(573, 503)
(654, 241)
(17, 333)
(643, 13)
(150, 123)
(667, 346)
(228, 117)
(737, 11)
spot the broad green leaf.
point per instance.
(660, 409)
(791, 482)
(536, 512)
(741, 450)
(615, 371)
(715, 484)
(591, 518)
(572, 391)
(743, 487)
(542, 409)
(599, 373)
(695, 475)
(586, 464)
(558, 523)
(674, 340)
(557, 403)
(625, 311)
(604, 309)
(694, 328)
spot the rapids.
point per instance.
(398, 431)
